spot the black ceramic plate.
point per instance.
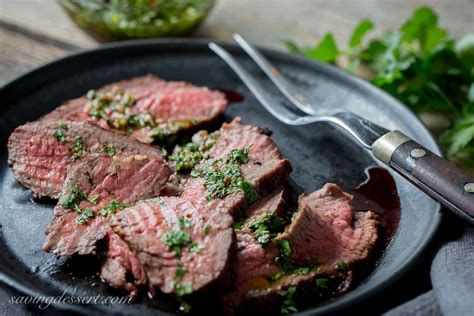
(319, 153)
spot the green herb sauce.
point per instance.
(115, 107)
(112, 208)
(224, 177)
(107, 149)
(78, 148)
(265, 228)
(176, 240)
(322, 283)
(288, 305)
(72, 200)
(186, 157)
(60, 133)
(86, 214)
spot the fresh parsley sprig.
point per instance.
(420, 66)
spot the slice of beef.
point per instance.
(277, 202)
(255, 259)
(237, 135)
(73, 110)
(121, 268)
(266, 170)
(173, 105)
(39, 160)
(145, 225)
(326, 230)
(107, 180)
(200, 242)
(327, 242)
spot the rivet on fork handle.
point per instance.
(437, 177)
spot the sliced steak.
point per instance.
(100, 184)
(39, 153)
(266, 170)
(73, 110)
(145, 226)
(153, 109)
(121, 268)
(236, 135)
(181, 247)
(276, 202)
(256, 255)
(326, 242)
(326, 230)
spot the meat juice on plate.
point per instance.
(378, 193)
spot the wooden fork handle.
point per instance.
(437, 177)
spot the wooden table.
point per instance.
(36, 31)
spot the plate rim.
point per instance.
(333, 306)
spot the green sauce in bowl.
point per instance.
(125, 19)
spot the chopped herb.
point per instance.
(85, 215)
(239, 224)
(116, 167)
(288, 267)
(166, 132)
(63, 126)
(224, 177)
(266, 227)
(185, 307)
(322, 283)
(180, 272)
(239, 156)
(71, 200)
(176, 240)
(185, 222)
(90, 94)
(183, 289)
(206, 229)
(112, 208)
(107, 149)
(288, 305)
(113, 107)
(284, 247)
(249, 191)
(342, 266)
(278, 275)
(59, 133)
(93, 199)
(187, 156)
(78, 148)
(195, 247)
(302, 270)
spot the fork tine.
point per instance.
(285, 87)
(270, 103)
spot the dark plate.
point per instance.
(319, 153)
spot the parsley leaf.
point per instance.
(359, 32)
(176, 240)
(112, 208)
(325, 51)
(420, 66)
